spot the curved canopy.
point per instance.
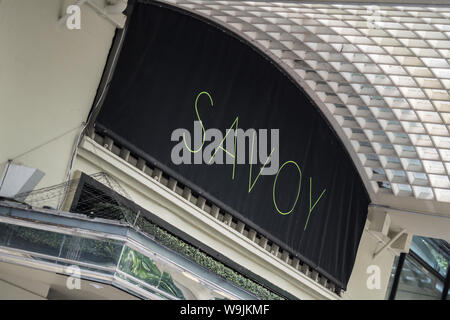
(307, 198)
(380, 74)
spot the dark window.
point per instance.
(423, 273)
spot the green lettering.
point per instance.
(298, 190)
(198, 116)
(233, 155)
(312, 208)
(251, 185)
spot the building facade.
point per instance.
(91, 91)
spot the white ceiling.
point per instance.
(405, 2)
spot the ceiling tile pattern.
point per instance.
(380, 74)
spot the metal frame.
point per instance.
(99, 229)
(86, 179)
(445, 280)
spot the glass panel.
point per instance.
(29, 239)
(145, 269)
(99, 252)
(416, 283)
(391, 277)
(167, 280)
(433, 252)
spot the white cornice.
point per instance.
(182, 214)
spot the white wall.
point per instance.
(357, 287)
(49, 76)
(10, 291)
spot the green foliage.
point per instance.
(178, 245)
(205, 260)
(36, 237)
(56, 243)
(143, 268)
(441, 260)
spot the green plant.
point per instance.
(167, 239)
(176, 244)
(143, 268)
